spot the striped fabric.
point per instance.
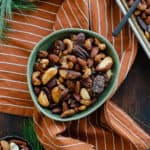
(109, 128)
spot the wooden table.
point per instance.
(133, 96)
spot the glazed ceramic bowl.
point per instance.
(45, 43)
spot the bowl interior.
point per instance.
(45, 43)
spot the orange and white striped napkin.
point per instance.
(109, 128)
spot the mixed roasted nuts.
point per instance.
(13, 144)
(68, 77)
(142, 14)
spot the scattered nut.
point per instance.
(5, 145)
(43, 99)
(35, 78)
(49, 74)
(85, 94)
(105, 64)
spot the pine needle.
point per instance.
(6, 9)
(30, 135)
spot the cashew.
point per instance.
(85, 94)
(87, 73)
(35, 78)
(49, 74)
(69, 45)
(88, 43)
(102, 46)
(105, 64)
(44, 63)
(43, 100)
(98, 58)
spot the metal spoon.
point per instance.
(125, 18)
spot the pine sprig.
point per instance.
(30, 135)
(6, 9)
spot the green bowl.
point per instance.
(45, 43)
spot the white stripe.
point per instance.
(25, 32)
(69, 133)
(58, 130)
(16, 98)
(18, 106)
(87, 139)
(50, 3)
(121, 35)
(112, 20)
(78, 6)
(12, 72)
(14, 89)
(78, 129)
(122, 143)
(131, 56)
(12, 46)
(37, 124)
(114, 146)
(105, 147)
(13, 64)
(130, 131)
(70, 7)
(12, 55)
(95, 135)
(98, 10)
(131, 147)
(29, 24)
(90, 16)
(58, 19)
(46, 11)
(34, 17)
(66, 16)
(106, 18)
(21, 40)
(14, 81)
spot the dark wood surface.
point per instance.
(133, 96)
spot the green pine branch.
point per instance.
(30, 135)
(6, 10)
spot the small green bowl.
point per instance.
(45, 43)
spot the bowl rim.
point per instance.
(92, 109)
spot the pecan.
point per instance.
(78, 39)
(80, 52)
